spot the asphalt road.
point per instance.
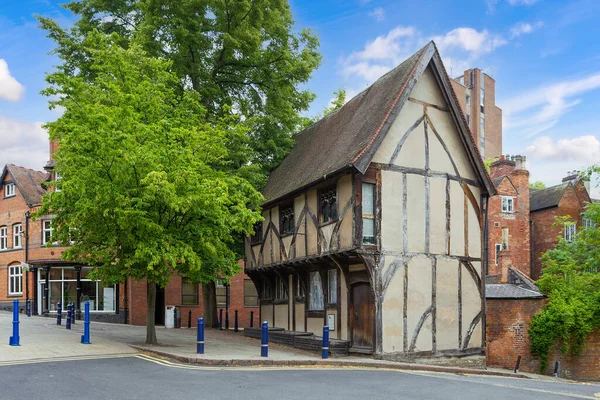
(148, 378)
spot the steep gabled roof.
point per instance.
(497, 181)
(28, 181)
(548, 197)
(349, 137)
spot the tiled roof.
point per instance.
(349, 137)
(545, 198)
(510, 291)
(29, 183)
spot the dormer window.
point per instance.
(9, 189)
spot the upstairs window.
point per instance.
(468, 100)
(57, 177)
(17, 236)
(15, 280)
(508, 204)
(267, 293)
(3, 238)
(9, 189)
(505, 238)
(286, 219)
(328, 204)
(368, 213)
(570, 231)
(189, 292)
(47, 231)
(257, 237)
(498, 250)
(588, 223)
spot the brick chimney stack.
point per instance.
(53, 148)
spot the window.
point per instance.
(57, 177)
(47, 231)
(189, 292)
(3, 238)
(505, 238)
(332, 286)
(17, 236)
(9, 189)
(570, 230)
(508, 204)
(468, 100)
(498, 250)
(280, 292)
(250, 294)
(316, 300)
(266, 289)
(328, 203)
(15, 280)
(468, 119)
(257, 236)
(588, 223)
(221, 293)
(299, 287)
(286, 219)
(368, 213)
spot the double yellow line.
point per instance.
(61, 359)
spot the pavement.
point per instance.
(143, 377)
(43, 340)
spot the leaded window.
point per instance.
(316, 299)
(328, 204)
(280, 292)
(368, 213)
(257, 236)
(286, 219)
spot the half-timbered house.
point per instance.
(374, 223)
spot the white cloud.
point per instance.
(582, 149)
(378, 14)
(538, 110)
(469, 40)
(23, 143)
(522, 2)
(523, 28)
(10, 88)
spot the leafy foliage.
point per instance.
(571, 280)
(148, 187)
(537, 185)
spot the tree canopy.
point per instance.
(148, 187)
(537, 185)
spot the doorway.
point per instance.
(159, 309)
(362, 317)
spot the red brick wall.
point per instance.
(544, 234)
(507, 326)
(584, 366)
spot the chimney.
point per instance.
(520, 162)
(503, 166)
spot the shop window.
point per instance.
(3, 238)
(332, 285)
(368, 213)
(328, 204)
(17, 236)
(280, 292)
(189, 292)
(221, 293)
(15, 280)
(286, 219)
(250, 294)
(316, 299)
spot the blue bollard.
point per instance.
(73, 313)
(68, 315)
(221, 319)
(85, 338)
(264, 343)
(325, 347)
(15, 339)
(28, 307)
(58, 313)
(200, 337)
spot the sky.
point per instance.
(542, 53)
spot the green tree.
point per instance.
(537, 185)
(244, 58)
(147, 186)
(571, 281)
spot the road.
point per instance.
(143, 377)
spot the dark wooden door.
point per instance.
(159, 312)
(362, 316)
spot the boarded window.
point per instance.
(316, 300)
(505, 238)
(250, 294)
(498, 250)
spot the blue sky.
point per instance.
(543, 55)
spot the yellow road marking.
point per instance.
(60, 359)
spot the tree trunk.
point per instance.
(150, 323)
(209, 298)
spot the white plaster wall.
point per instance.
(281, 316)
(287, 242)
(457, 219)
(266, 314)
(345, 196)
(471, 303)
(393, 306)
(409, 114)
(437, 215)
(311, 199)
(391, 210)
(301, 236)
(419, 299)
(300, 317)
(416, 213)
(327, 231)
(447, 304)
(315, 325)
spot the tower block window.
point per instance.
(328, 204)
(368, 213)
(286, 219)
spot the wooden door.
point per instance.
(362, 316)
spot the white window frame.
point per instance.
(3, 238)
(508, 209)
(570, 231)
(588, 223)
(57, 177)
(15, 280)
(17, 236)
(47, 229)
(9, 189)
(369, 217)
(498, 250)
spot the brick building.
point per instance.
(31, 267)
(476, 92)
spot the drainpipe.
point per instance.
(27, 216)
(485, 268)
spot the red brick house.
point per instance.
(30, 268)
